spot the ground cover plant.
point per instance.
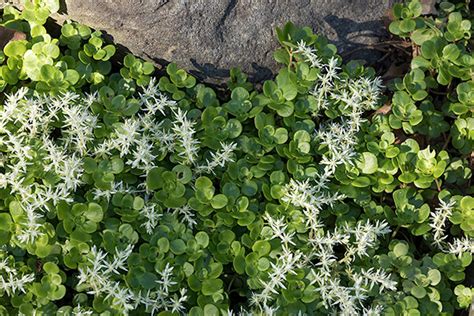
(126, 194)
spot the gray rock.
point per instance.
(208, 37)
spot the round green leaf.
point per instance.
(202, 239)
(211, 286)
(367, 163)
(219, 201)
(400, 249)
(418, 291)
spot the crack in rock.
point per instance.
(220, 24)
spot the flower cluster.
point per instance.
(27, 132)
(34, 145)
(438, 223)
(99, 276)
(13, 281)
(312, 195)
(126, 194)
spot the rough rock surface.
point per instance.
(207, 37)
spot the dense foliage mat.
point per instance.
(122, 193)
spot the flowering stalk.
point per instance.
(218, 159)
(184, 134)
(313, 195)
(438, 221)
(11, 282)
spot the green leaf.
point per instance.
(394, 27)
(154, 179)
(148, 280)
(281, 135)
(419, 36)
(451, 52)
(51, 74)
(428, 49)
(163, 245)
(5, 222)
(361, 182)
(52, 5)
(94, 212)
(400, 249)
(50, 268)
(423, 213)
(138, 203)
(286, 82)
(211, 310)
(435, 276)
(178, 246)
(197, 311)
(211, 286)
(219, 201)
(203, 183)
(15, 48)
(109, 52)
(183, 173)
(51, 50)
(420, 62)
(117, 165)
(262, 247)
(149, 68)
(202, 239)
(204, 188)
(418, 291)
(410, 302)
(249, 188)
(367, 163)
(71, 76)
(407, 26)
(420, 229)
(68, 30)
(407, 177)
(240, 94)
(129, 60)
(239, 264)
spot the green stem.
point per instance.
(395, 231)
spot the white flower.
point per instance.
(98, 276)
(165, 282)
(279, 228)
(373, 311)
(286, 264)
(167, 140)
(186, 213)
(184, 135)
(30, 230)
(153, 100)
(372, 277)
(178, 301)
(309, 54)
(151, 215)
(10, 280)
(438, 221)
(142, 156)
(10, 108)
(126, 135)
(365, 238)
(219, 159)
(120, 259)
(311, 198)
(90, 98)
(461, 245)
(78, 125)
(79, 311)
(70, 171)
(118, 187)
